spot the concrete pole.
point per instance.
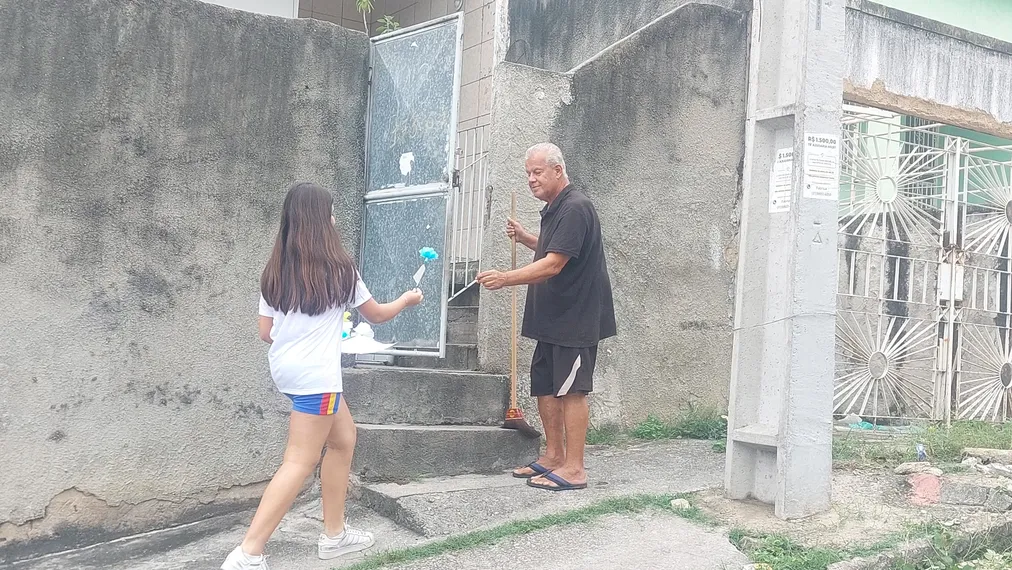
(781, 401)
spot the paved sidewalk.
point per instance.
(454, 505)
(205, 545)
(648, 541)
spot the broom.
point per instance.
(514, 417)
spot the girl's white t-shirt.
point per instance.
(305, 355)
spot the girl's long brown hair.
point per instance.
(308, 270)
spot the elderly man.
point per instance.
(569, 311)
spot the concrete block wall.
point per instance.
(537, 39)
(146, 149)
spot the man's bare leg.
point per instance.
(576, 418)
(552, 419)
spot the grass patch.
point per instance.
(969, 552)
(694, 424)
(948, 444)
(704, 424)
(943, 445)
(782, 553)
(851, 450)
(989, 560)
(609, 434)
(619, 505)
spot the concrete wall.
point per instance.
(282, 8)
(653, 131)
(145, 150)
(560, 34)
(911, 65)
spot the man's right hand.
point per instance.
(513, 228)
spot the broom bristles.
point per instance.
(515, 420)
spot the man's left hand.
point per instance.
(492, 280)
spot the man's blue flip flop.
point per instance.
(560, 484)
(538, 469)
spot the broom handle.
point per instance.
(513, 328)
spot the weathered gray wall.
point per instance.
(558, 35)
(917, 66)
(145, 148)
(653, 132)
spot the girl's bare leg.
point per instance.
(306, 436)
(336, 468)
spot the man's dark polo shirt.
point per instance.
(575, 307)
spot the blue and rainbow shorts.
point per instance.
(316, 404)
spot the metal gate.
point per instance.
(411, 138)
(923, 326)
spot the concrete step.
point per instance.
(393, 395)
(403, 453)
(458, 357)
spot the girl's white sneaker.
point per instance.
(239, 560)
(350, 540)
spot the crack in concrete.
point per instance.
(75, 517)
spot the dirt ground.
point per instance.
(870, 506)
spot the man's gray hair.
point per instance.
(553, 154)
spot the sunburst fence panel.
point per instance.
(892, 210)
(925, 302)
(983, 364)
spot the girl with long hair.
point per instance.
(307, 285)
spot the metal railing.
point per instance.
(470, 199)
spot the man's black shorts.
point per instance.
(560, 370)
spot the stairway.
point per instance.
(426, 417)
